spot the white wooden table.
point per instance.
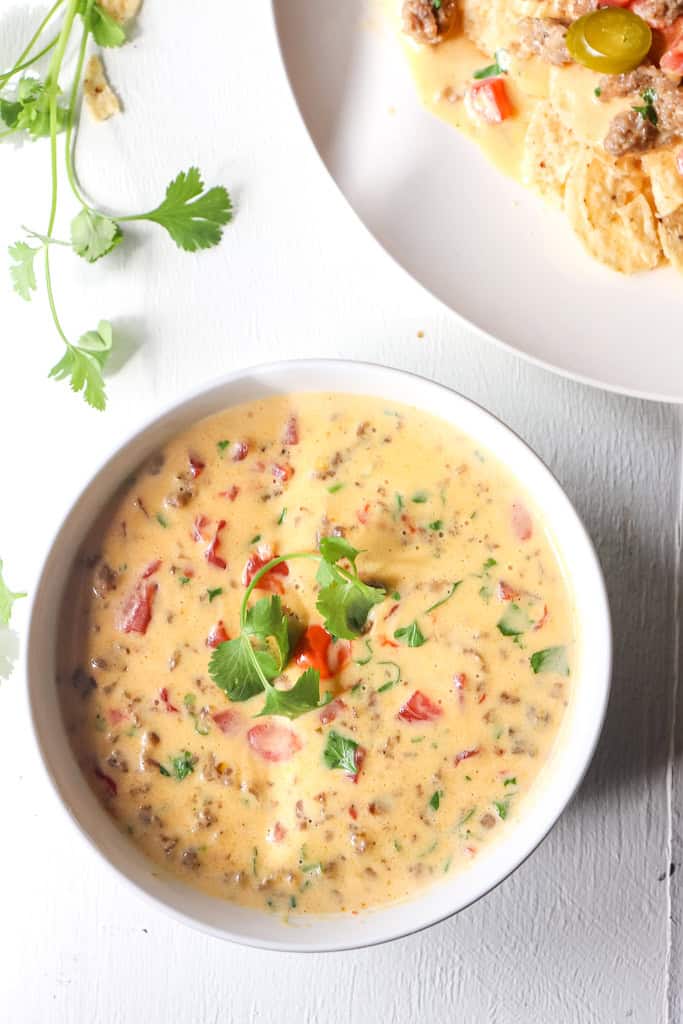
(589, 930)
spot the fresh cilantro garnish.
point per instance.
(502, 808)
(93, 235)
(489, 564)
(396, 596)
(410, 635)
(83, 363)
(23, 271)
(435, 801)
(333, 488)
(189, 700)
(7, 599)
(420, 497)
(391, 683)
(340, 752)
(162, 520)
(215, 592)
(443, 600)
(598, 91)
(184, 580)
(249, 663)
(514, 621)
(485, 594)
(193, 217)
(510, 782)
(283, 515)
(436, 4)
(552, 659)
(193, 220)
(437, 524)
(255, 539)
(500, 66)
(648, 110)
(179, 767)
(222, 445)
(368, 657)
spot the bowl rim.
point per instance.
(164, 414)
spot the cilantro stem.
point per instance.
(19, 66)
(70, 144)
(262, 572)
(6, 75)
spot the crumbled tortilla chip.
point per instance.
(671, 235)
(101, 100)
(665, 179)
(492, 24)
(550, 150)
(607, 205)
(121, 10)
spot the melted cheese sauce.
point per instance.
(175, 763)
(443, 73)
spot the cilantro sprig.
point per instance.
(500, 66)
(648, 111)
(35, 108)
(249, 663)
(7, 599)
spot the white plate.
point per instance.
(483, 244)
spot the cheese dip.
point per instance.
(421, 615)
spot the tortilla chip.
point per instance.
(607, 205)
(550, 150)
(671, 236)
(492, 24)
(121, 10)
(101, 100)
(665, 179)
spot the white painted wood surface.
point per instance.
(588, 931)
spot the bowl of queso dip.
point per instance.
(319, 656)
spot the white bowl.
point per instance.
(559, 778)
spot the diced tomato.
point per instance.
(291, 432)
(270, 581)
(274, 742)
(136, 611)
(151, 569)
(464, 755)
(240, 450)
(481, 698)
(217, 635)
(520, 519)
(338, 655)
(489, 100)
(115, 716)
(614, 3)
(363, 513)
(199, 525)
(211, 553)
(331, 710)
(230, 494)
(228, 721)
(353, 812)
(505, 592)
(277, 833)
(359, 757)
(543, 619)
(108, 781)
(312, 651)
(471, 851)
(196, 466)
(166, 701)
(283, 473)
(671, 61)
(408, 521)
(419, 709)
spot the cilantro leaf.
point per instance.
(340, 752)
(501, 66)
(106, 30)
(232, 668)
(435, 800)
(9, 112)
(266, 618)
(192, 225)
(7, 599)
(216, 592)
(34, 115)
(83, 364)
(345, 605)
(515, 621)
(303, 697)
(552, 659)
(23, 271)
(334, 548)
(181, 766)
(648, 111)
(449, 595)
(93, 235)
(502, 808)
(411, 635)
